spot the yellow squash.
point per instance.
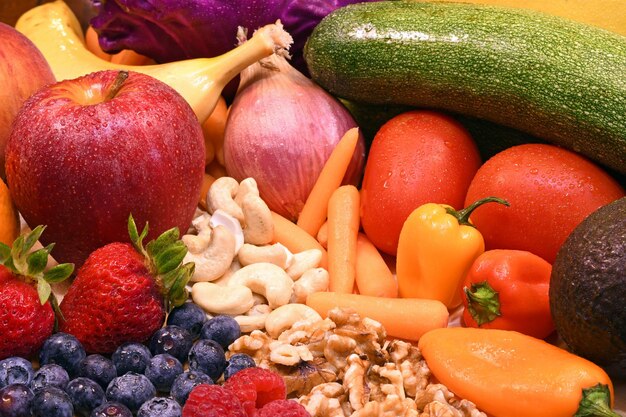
(56, 31)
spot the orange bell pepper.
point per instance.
(437, 246)
(509, 374)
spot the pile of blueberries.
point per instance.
(143, 380)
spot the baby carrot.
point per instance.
(91, 42)
(509, 374)
(404, 318)
(315, 208)
(322, 235)
(343, 229)
(129, 57)
(207, 181)
(213, 130)
(215, 169)
(373, 276)
(294, 238)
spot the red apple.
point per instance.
(86, 153)
(23, 70)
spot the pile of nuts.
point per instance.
(239, 272)
(345, 366)
(340, 366)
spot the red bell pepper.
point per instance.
(508, 289)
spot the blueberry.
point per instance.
(189, 316)
(62, 349)
(51, 402)
(173, 340)
(130, 389)
(131, 357)
(207, 356)
(236, 363)
(160, 407)
(185, 382)
(111, 409)
(50, 375)
(15, 400)
(85, 394)
(163, 370)
(15, 370)
(98, 368)
(223, 329)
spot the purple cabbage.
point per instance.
(171, 30)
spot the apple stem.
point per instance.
(117, 84)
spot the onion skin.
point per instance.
(281, 129)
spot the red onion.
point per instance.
(281, 129)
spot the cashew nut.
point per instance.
(303, 261)
(258, 299)
(284, 317)
(254, 319)
(259, 229)
(246, 186)
(200, 220)
(216, 256)
(217, 299)
(313, 280)
(276, 254)
(221, 218)
(221, 196)
(200, 224)
(225, 279)
(267, 279)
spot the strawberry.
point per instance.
(123, 290)
(26, 301)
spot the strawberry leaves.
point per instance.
(164, 257)
(31, 265)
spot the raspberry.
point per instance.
(256, 387)
(212, 401)
(283, 408)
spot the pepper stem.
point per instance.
(463, 215)
(596, 402)
(483, 302)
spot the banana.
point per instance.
(56, 31)
(606, 14)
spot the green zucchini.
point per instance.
(558, 80)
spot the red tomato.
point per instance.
(416, 157)
(550, 191)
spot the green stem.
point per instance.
(596, 402)
(463, 215)
(483, 302)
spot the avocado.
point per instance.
(588, 289)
